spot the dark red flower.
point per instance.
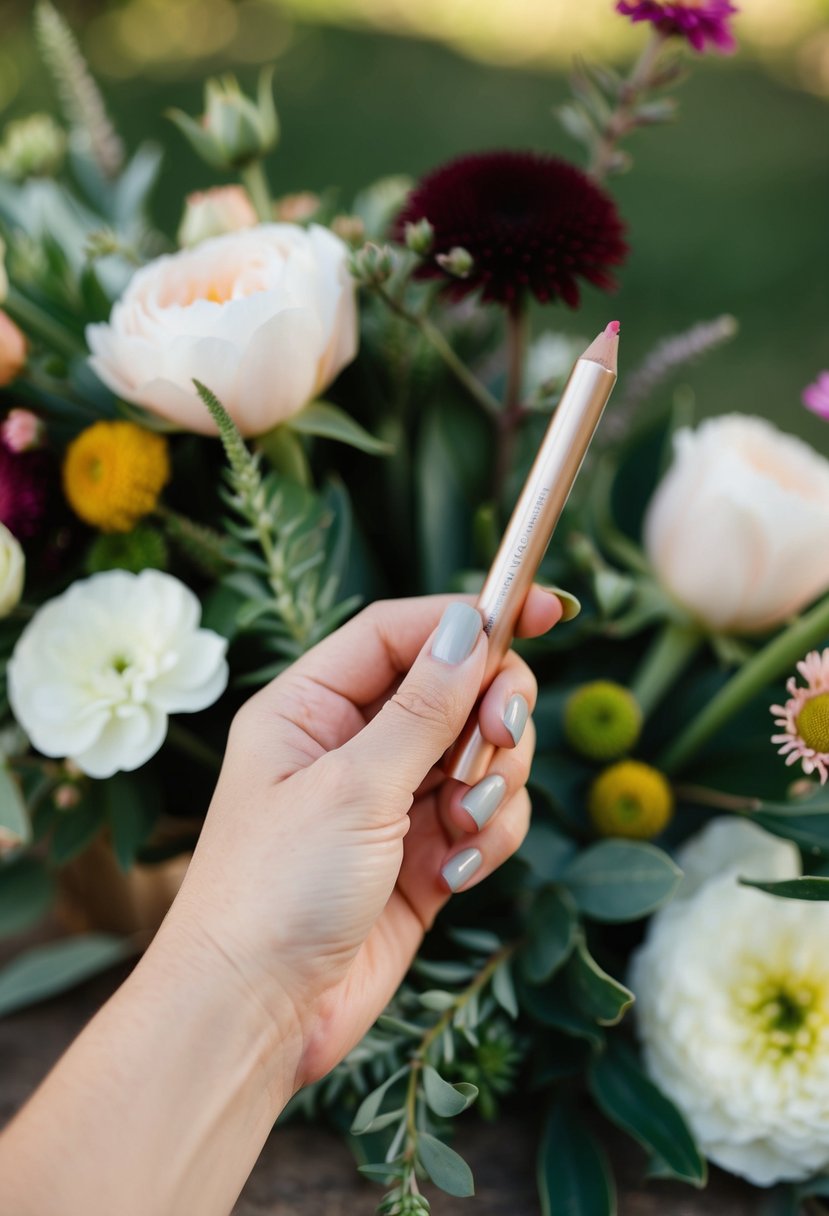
(532, 223)
(24, 491)
(700, 22)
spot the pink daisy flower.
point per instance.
(816, 396)
(699, 22)
(805, 717)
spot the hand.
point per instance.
(333, 840)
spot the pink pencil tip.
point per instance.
(613, 328)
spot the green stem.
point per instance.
(768, 665)
(456, 365)
(623, 118)
(664, 662)
(36, 323)
(189, 743)
(700, 795)
(253, 175)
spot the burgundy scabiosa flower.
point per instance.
(699, 22)
(531, 223)
(24, 491)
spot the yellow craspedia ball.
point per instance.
(630, 799)
(602, 720)
(113, 473)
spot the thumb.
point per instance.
(417, 724)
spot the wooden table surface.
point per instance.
(307, 1171)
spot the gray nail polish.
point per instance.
(458, 631)
(461, 867)
(483, 799)
(515, 716)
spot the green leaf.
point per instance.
(443, 518)
(551, 934)
(76, 828)
(47, 970)
(503, 989)
(26, 893)
(546, 851)
(132, 807)
(634, 1103)
(808, 887)
(479, 940)
(330, 422)
(621, 880)
(552, 1006)
(445, 1167)
(15, 826)
(370, 1107)
(574, 1177)
(436, 1000)
(445, 1099)
(594, 991)
(809, 829)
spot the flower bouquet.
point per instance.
(183, 513)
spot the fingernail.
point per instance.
(483, 799)
(515, 716)
(571, 604)
(461, 867)
(458, 631)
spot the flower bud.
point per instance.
(22, 431)
(66, 797)
(234, 130)
(213, 212)
(12, 350)
(372, 265)
(457, 262)
(297, 208)
(419, 237)
(32, 147)
(12, 571)
(349, 228)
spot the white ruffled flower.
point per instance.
(98, 669)
(12, 571)
(732, 989)
(736, 531)
(265, 317)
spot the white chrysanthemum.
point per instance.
(98, 669)
(732, 990)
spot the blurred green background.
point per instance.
(728, 209)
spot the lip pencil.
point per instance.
(531, 526)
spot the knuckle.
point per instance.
(426, 705)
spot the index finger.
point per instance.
(380, 644)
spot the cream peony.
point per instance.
(266, 318)
(736, 531)
(732, 989)
(98, 669)
(209, 213)
(12, 571)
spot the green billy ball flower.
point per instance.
(143, 548)
(602, 720)
(630, 799)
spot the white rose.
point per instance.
(266, 318)
(213, 212)
(737, 528)
(12, 571)
(732, 1001)
(98, 669)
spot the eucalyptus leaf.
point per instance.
(15, 825)
(621, 880)
(479, 940)
(369, 1108)
(26, 893)
(551, 933)
(436, 1000)
(445, 1167)
(330, 422)
(132, 805)
(594, 991)
(633, 1102)
(806, 827)
(445, 1099)
(503, 989)
(552, 1006)
(546, 851)
(574, 1177)
(811, 887)
(45, 971)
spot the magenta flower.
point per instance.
(804, 718)
(24, 491)
(816, 396)
(532, 224)
(699, 22)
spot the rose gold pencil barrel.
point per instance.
(531, 526)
